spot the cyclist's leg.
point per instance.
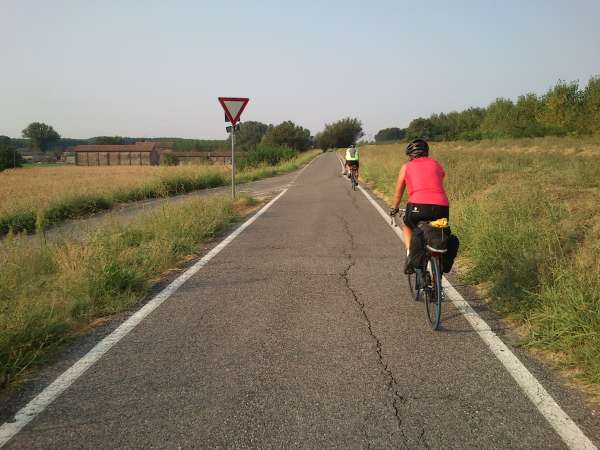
(407, 232)
(407, 235)
(410, 222)
(351, 168)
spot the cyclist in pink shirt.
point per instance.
(427, 199)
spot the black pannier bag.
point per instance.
(437, 239)
(450, 255)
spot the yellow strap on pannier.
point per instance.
(440, 223)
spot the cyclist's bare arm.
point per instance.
(400, 187)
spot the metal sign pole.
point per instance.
(233, 161)
(233, 107)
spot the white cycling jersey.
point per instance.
(352, 154)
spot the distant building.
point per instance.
(68, 156)
(35, 156)
(138, 154)
(220, 157)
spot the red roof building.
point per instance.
(138, 154)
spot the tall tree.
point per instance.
(563, 108)
(591, 100)
(526, 116)
(340, 134)
(288, 134)
(390, 134)
(420, 128)
(9, 156)
(499, 118)
(250, 134)
(42, 136)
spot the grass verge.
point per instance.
(528, 216)
(50, 291)
(36, 214)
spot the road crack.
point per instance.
(392, 384)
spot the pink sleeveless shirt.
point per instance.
(425, 182)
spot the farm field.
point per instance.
(528, 215)
(42, 196)
(39, 187)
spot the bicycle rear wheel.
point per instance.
(354, 182)
(433, 291)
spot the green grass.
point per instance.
(77, 206)
(31, 165)
(528, 216)
(265, 171)
(50, 291)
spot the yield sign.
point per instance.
(233, 107)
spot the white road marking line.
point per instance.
(67, 378)
(564, 426)
(341, 162)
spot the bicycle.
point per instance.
(353, 177)
(426, 283)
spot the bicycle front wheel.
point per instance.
(433, 292)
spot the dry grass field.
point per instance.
(41, 196)
(38, 187)
(528, 215)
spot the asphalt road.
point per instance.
(300, 334)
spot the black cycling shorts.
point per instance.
(352, 163)
(417, 212)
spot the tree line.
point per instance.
(565, 109)
(43, 138)
(338, 134)
(251, 136)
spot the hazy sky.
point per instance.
(156, 68)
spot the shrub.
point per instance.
(9, 156)
(169, 159)
(267, 154)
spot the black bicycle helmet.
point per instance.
(418, 147)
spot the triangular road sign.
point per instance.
(233, 106)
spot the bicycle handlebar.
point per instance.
(393, 220)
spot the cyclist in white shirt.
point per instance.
(352, 157)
